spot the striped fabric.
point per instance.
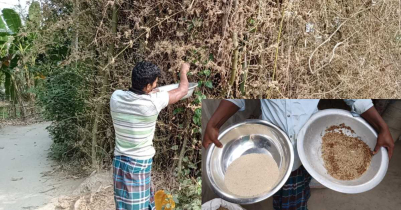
(132, 184)
(134, 119)
(295, 193)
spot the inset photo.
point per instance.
(300, 154)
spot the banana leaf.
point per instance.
(3, 40)
(12, 19)
(3, 29)
(34, 13)
(2, 25)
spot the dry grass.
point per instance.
(352, 51)
(97, 192)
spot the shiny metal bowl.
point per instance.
(251, 136)
(191, 88)
(309, 150)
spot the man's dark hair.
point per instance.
(144, 73)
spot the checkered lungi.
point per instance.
(295, 193)
(132, 184)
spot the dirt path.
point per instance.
(27, 176)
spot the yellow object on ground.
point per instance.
(162, 200)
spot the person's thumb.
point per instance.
(377, 147)
(205, 144)
(217, 143)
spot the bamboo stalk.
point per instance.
(184, 143)
(260, 62)
(235, 57)
(245, 73)
(76, 33)
(105, 74)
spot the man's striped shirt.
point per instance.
(134, 119)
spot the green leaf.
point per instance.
(178, 110)
(196, 130)
(211, 57)
(12, 19)
(252, 22)
(197, 116)
(2, 25)
(3, 39)
(175, 147)
(185, 159)
(207, 72)
(34, 13)
(199, 97)
(209, 84)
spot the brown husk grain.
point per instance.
(345, 157)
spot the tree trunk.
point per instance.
(7, 85)
(30, 84)
(13, 112)
(104, 73)
(18, 97)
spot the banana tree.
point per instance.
(13, 47)
(10, 24)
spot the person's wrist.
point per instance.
(211, 125)
(383, 128)
(183, 74)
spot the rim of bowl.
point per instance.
(191, 85)
(256, 199)
(321, 179)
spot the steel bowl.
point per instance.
(191, 88)
(309, 144)
(251, 136)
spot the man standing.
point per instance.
(290, 115)
(134, 114)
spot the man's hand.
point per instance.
(385, 140)
(185, 68)
(224, 111)
(211, 135)
(177, 94)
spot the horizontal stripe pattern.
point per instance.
(134, 120)
(135, 132)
